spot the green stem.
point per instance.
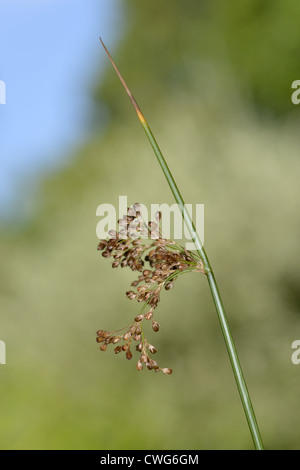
(233, 356)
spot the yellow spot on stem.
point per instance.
(141, 117)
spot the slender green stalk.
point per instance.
(233, 356)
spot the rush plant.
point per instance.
(198, 261)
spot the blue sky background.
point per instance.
(49, 56)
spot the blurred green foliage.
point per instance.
(212, 77)
(256, 41)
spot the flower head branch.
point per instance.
(159, 263)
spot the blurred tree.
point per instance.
(199, 68)
(259, 41)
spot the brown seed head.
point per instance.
(159, 262)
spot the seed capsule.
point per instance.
(127, 336)
(154, 235)
(136, 207)
(112, 234)
(103, 347)
(142, 288)
(155, 365)
(116, 339)
(103, 333)
(139, 365)
(152, 225)
(102, 245)
(131, 211)
(152, 349)
(155, 325)
(128, 354)
(131, 295)
(144, 358)
(148, 315)
(166, 370)
(138, 330)
(122, 222)
(169, 285)
(139, 318)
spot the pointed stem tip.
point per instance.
(136, 106)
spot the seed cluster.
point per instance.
(160, 262)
